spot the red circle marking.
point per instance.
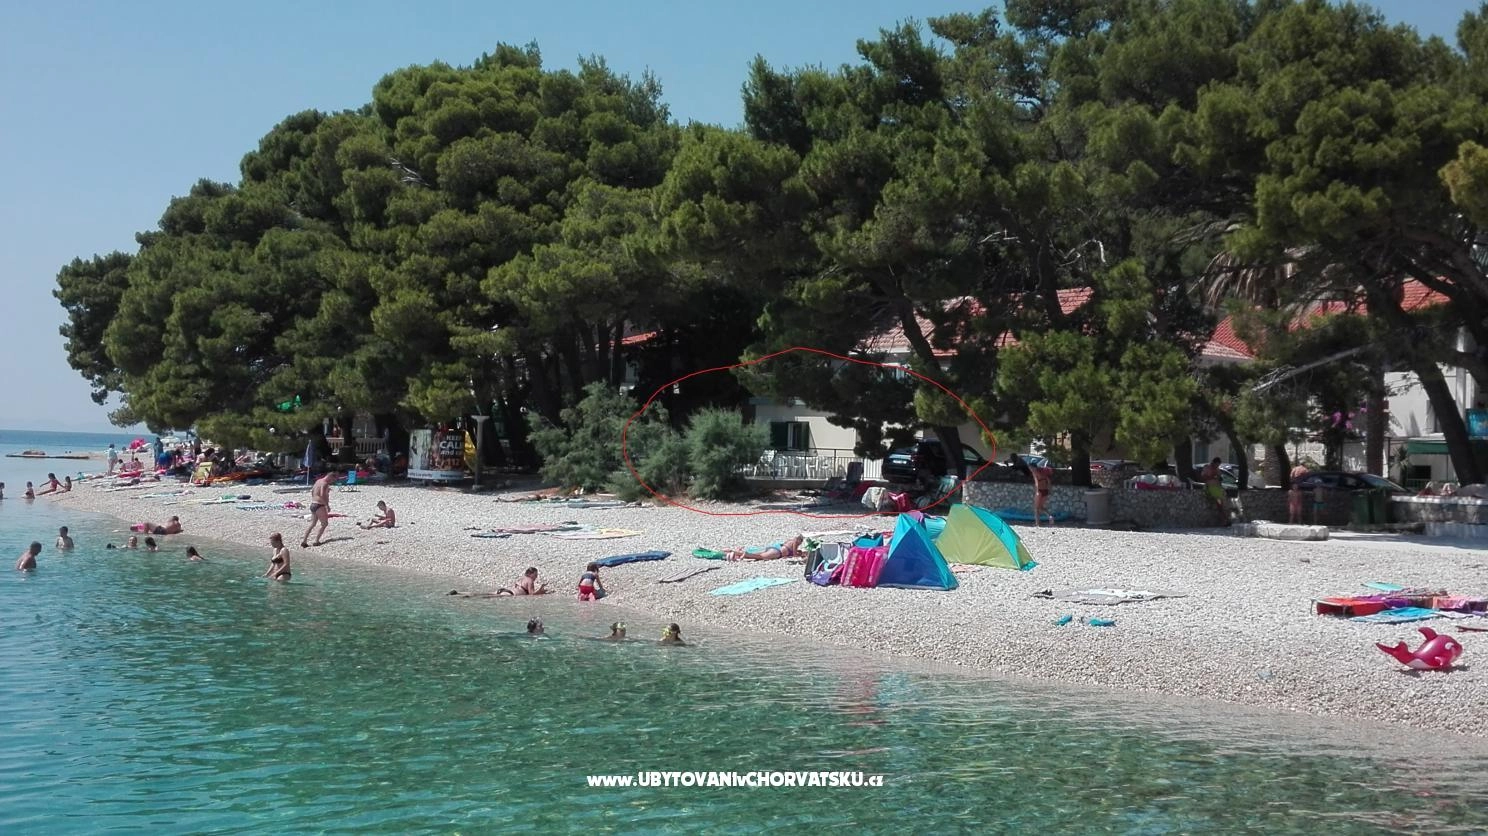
(625, 432)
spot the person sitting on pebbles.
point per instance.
(775, 551)
(384, 518)
(591, 588)
(528, 585)
(172, 527)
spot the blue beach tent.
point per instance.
(913, 561)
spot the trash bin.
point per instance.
(1098, 507)
(1379, 505)
(1362, 512)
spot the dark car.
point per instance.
(1345, 481)
(902, 466)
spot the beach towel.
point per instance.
(1399, 615)
(1384, 587)
(708, 554)
(1107, 596)
(750, 585)
(638, 557)
(540, 528)
(594, 534)
(492, 535)
(593, 503)
(257, 506)
(686, 573)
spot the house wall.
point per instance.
(824, 435)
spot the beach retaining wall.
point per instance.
(1168, 509)
(1439, 509)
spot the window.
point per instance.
(790, 435)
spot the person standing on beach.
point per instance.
(28, 558)
(1042, 482)
(320, 509)
(1214, 489)
(113, 459)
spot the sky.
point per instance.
(108, 109)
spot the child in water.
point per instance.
(534, 627)
(617, 632)
(672, 635)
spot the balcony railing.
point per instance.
(815, 464)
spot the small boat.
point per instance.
(39, 454)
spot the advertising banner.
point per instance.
(435, 456)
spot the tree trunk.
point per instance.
(1079, 461)
(1183, 458)
(1375, 424)
(1242, 458)
(950, 448)
(1278, 454)
(1449, 414)
(617, 355)
(547, 401)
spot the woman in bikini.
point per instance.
(528, 585)
(279, 564)
(775, 551)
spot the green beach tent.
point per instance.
(976, 535)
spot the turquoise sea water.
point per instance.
(143, 693)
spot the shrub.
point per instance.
(659, 456)
(718, 444)
(584, 452)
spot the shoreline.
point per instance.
(1244, 635)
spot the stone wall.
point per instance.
(1271, 504)
(1442, 509)
(1148, 509)
(1191, 508)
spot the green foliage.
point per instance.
(584, 450)
(718, 444)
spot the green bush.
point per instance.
(718, 444)
(584, 452)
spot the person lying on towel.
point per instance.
(774, 551)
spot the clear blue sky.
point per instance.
(108, 109)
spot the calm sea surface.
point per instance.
(143, 693)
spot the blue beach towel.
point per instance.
(750, 585)
(1384, 587)
(618, 559)
(1398, 615)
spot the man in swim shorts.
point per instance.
(28, 558)
(384, 518)
(1214, 489)
(320, 509)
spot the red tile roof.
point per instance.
(1225, 342)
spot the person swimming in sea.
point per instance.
(194, 555)
(2, 490)
(64, 542)
(131, 543)
(617, 633)
(534, 627)
(150, 545)
(672, 635)
(172, 527)
(30, 491)
(279, 563)
(27, 561)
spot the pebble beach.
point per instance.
(1244, 633)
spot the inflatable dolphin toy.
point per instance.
(1438, 652)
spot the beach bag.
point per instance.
(823, 561)
(863, 566)
(872, 496)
